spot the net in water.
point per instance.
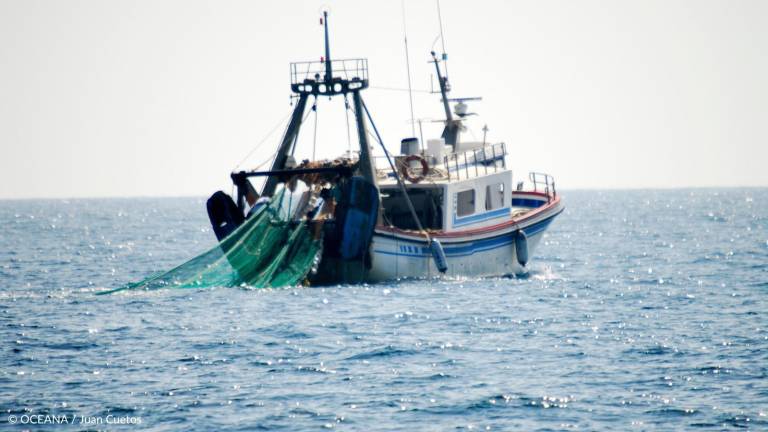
(269, 249)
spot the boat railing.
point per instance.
(475, 162)
(314, 71)
(545, 181)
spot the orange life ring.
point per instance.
(405, 169)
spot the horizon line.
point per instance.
(577, 189)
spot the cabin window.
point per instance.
(428, 203)
(465, 203)
(494, 196)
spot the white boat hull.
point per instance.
(391, 262)
(478, 253)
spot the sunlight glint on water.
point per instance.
(643, 309)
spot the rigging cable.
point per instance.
(256, 147)
(408, 69)
(349, 138)
(399, 89)
(296, 137)
(438, 255)
(268, 160)
(314, 137)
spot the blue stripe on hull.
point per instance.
(470, 247)
(527, 202)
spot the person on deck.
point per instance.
(253, 199)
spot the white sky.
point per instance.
(156, 98)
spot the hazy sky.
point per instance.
(156, 98)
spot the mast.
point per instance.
(451, 130)
(316, 79)
(328, 70)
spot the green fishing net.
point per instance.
(269, 249)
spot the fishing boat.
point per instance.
(447, 207)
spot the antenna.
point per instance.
(442, 38)
(408, 68)
(421, 134)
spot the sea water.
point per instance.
(642, 310)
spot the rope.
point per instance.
(314, 137)
(296, 138)
(398, 89)
(397, 177)
(369, 133)
(349, 138)
(258, 167)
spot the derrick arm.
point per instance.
(285, 146)
(367, 167)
